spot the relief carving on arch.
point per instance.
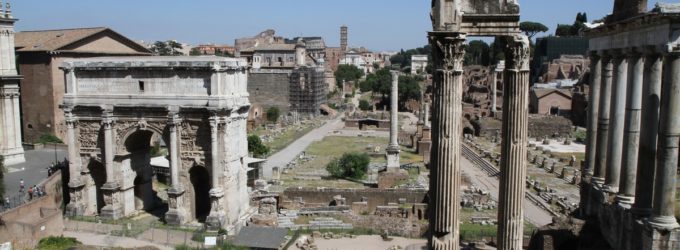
(88, 135)
(125, 128)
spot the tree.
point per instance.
(348, 73)
(364, 105)
(563, 30)
(167, 48)
(477, 53)
(532, 28)
(195, 52)
(409, 89)
(256, 146)
(273, 114)
(350, 165)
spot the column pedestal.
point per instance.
(76, 205)
(176, 215)
(112, 210)
(216, 219)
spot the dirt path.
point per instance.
(365, 242)
(91, 239)
(532, 213)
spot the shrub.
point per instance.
(256, 146)
(364, 105)
(49, 138)
(57, 243)
(350, 165)
(273, 114)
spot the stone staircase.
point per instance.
(328, 223)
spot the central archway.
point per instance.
(143, 146)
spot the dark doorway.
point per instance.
(98, 173)
(554, 110)
(142, 146)
(200, 179)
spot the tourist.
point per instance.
(21, 186)
(30, 193)
(7, 202)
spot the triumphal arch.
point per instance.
(121, 112)
(453, 21)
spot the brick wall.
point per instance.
(270, 88)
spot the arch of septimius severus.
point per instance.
(453, 21)
(116, 108)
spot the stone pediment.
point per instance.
(476, 17)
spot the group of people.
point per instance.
(33, 191)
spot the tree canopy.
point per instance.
(347, 72)
(273, 114)
(364, 105)
(167, 48)
(532, 28)
(350, 165)
(477, 52)
(256, 146)
(403, 58)
(574, 29)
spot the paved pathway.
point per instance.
(33, 171)
(111, 241)
(532, 213)
(288, 154)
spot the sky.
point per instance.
(380, 25)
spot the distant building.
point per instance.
(418, 64)
(40, 53)
(264, 38)
(356, 58)
(550, 102)
(551, 48)
(211, 49)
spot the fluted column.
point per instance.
(215, 219)
(447, 52)
(514, 144)
(593, 110)
(392, 149)
(616, 123)
(644, 187)
(667, 158)
(603, 120)
(174, 121)
(75, 206)
(631, 138)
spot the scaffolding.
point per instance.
(308, 90)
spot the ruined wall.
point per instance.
(374, 197)
(270, 88)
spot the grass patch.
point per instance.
(57, 243)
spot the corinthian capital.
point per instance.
(517, 53)
(448, 51)
(107, 119)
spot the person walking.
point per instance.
(7, 203)
(21, 186)
(30, 193)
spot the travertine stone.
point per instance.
(631, 138)
(603, 121)
(663, 216)
(616, 123)
(10, 135)
(513, 147)
(448, 52)
(644, 187)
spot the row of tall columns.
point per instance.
(636, 152)
(514, 144)
(445, 175)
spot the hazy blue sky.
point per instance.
(375, 24)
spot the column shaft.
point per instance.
(593, 106)
(448, 52)
(73, 159)
(616, 122)
(17, 122)
(107, 122)
(494, 76)
(174, 152)
(394, 114)
(644, 187)
(603, 121)
(514, 144)
(10, 131)
(631, 138)
(667, 157)
(214, 155)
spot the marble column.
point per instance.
(112, 209)
(393, 147)
(644, 187)
(75, 206)
(593, 106)
(215, 219)
(494, 89)
(663, 216)
(631, 137)
(514, 144)
(603, 120)
(444, 214)
(176, 214)
(616, 123)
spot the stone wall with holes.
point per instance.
(270, 88)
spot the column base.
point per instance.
(176, 215)
(393, 159)
(112, 209)
(215, 221)
(624, 201)
(13, 157)
(74, 209)
(663, 222)
(610, 189)
(111, 212)
(598, 181)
